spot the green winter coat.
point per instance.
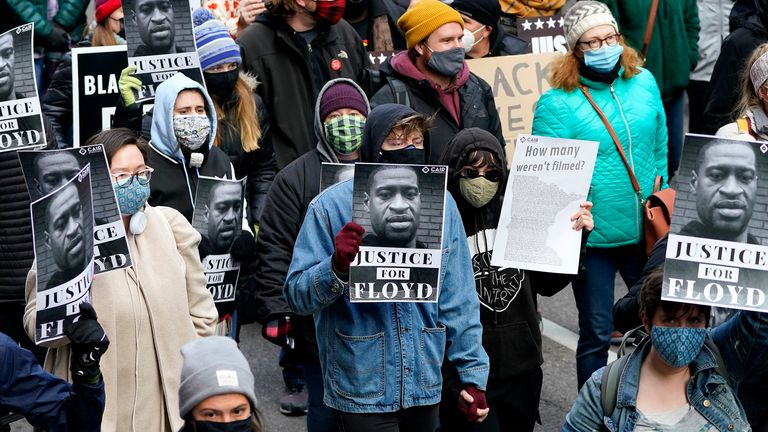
(635, 111)
(71, 16)
(675, 38)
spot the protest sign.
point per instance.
(517, 83)
(95, 73)
(543, 34)
(218, 216)
(715, 254)
(45, 171)
(160, 42)
(378, 58)
(332, 173)
(62, 223)
(549, 179)
(401, 208)
(21, 121)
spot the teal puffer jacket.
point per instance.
(634, 108)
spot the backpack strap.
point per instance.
(649, 26)
(609, 386)
(400, 91)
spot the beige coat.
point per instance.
(168, 307)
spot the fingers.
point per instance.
(132, 82)
(482, 414)
(354, 227)
(130, 70)
(466, 397)
(583, 218)
(87, 311)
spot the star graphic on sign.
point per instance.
(382, 58)
(539, 24)
(527, 25)
(551, 23)
(561, 22)
(373, 59)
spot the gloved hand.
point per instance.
(478, 403)
(57, 40)
(243, 248)
(127, 84)
(278, 330)
(347, 245)
(88, 342)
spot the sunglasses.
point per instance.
(493, 175)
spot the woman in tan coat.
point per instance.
(148, 310)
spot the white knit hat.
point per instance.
(585, 15)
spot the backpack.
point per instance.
(609, 383)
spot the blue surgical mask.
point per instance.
(603, 59)
(678, 346)
(131, 198)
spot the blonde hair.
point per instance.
(565, 70)
(242, 116)
(749, 97)
(103, 35)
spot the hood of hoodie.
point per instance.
(762, 10)
(163, 137)
(377, 127)
(323, 147)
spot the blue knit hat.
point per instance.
(214, 44)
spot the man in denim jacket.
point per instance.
(385, 358)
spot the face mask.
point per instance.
(407, 156)
(235, 426)
(447, 63)
(131, 198)
(678, 346)
(328, 12)
(220, 85)
(478, 191)
(191, 130)
(345, 133)
(469, 41)
(120, 40)
(603, 59)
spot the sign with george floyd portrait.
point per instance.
(160, 42)
(62, 223)
(45, 171)
(332, 173)
(21, 121)
(218, 217)
(401, 208)
(715, 253)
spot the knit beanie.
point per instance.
(486, 12)
(214, 44)
(342, 95)
(426, 16)
(104, 8)
(585, 15)
(213, 366)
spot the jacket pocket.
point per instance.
(432, 350)
(358, 365)
(511, 348)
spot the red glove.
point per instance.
(347, 244)
(479, 402)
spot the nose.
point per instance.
(398, 203)
(72, 228)
(230, 215)
(731, 186)
(157, 16)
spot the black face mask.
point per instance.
(404, 156)
(235, 426)
(220, 85)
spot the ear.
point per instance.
(47, 239)
(694, 181)
(487, 32)
(365, 201)
(205, 211)
(419, 48)
(647, 324)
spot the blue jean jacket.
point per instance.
(383, 357)
(743, 345)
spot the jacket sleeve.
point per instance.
(743, 344)
(263, 168)
(70, 12)
(692, 28)
(459, 306)
(57, 104)
(30, 310)
(28, 12)
(202, 310)
(586, 414)
(127, 116)
(724, 90)
(44, 399)
(550, 118)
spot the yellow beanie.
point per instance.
(424, 17)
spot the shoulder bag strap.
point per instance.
(616, 141)
(649, 26)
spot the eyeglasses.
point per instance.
(596, 43)
(125, 179)
(493, 175)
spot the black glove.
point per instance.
(88, 342)
(244, 248)
(57, 40)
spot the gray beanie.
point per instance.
(213, 366)
(585, 15)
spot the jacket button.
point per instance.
(707, 403)
(731, 427)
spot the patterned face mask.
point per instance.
(678, 346)
(345, 133)
(131, 198)
(192, 130)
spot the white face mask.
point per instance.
(469, 39)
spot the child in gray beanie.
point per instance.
(216, 392)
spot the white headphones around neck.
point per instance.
(138, 221)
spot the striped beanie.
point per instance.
(214, 44)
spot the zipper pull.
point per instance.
(309, 47)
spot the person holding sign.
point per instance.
(477, 181)
(683, 376)
(148, 311)
(381, 361)
(600, 90)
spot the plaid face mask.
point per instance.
(345, 133)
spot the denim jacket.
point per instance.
(383, 357)
(743, 345)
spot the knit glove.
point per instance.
(88, 342)
(128, 84)
(244, 248)
(347, 245)
(478, 402)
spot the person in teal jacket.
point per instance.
(610, 72)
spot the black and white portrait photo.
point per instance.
(155, 22)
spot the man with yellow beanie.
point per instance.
(433, 79)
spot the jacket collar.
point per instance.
(597, 85)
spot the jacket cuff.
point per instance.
(326, 284)
(477, 376)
